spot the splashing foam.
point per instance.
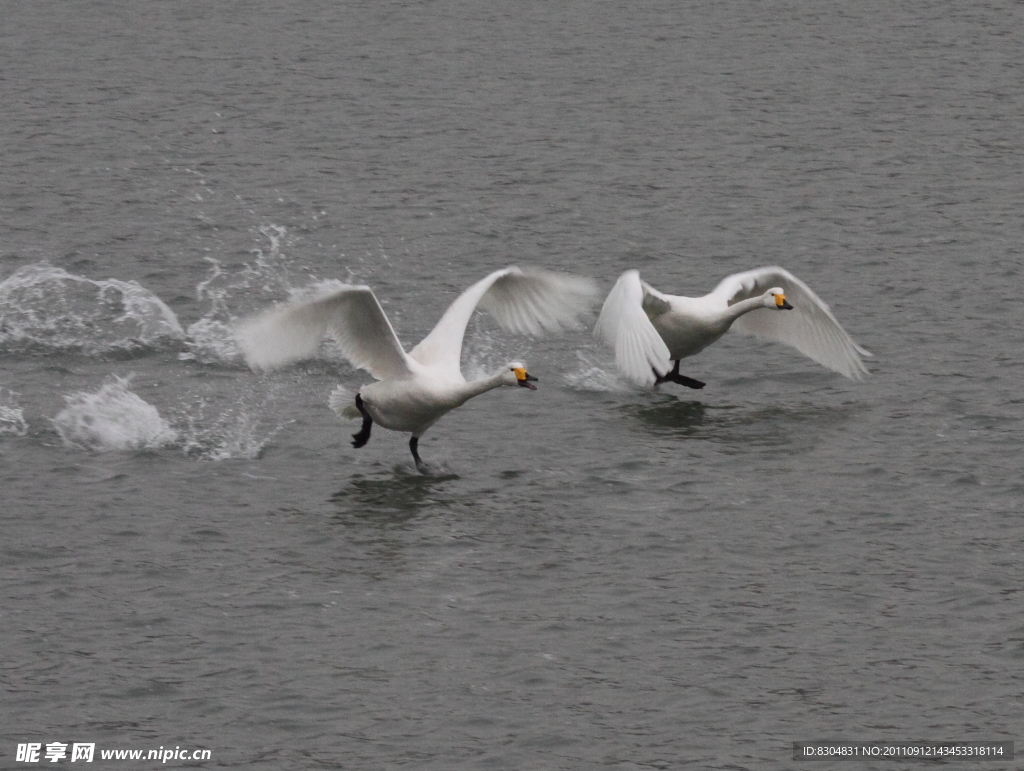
(232, 435)
(486, 347)
(211, 340)
(595, 377)
(236, 436)
(44, 307)
(116, 419)
(112, 419)
(12, 420)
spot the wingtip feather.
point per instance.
(534, 301)
(268, 341)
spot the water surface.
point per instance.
(595, 575)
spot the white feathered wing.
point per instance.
(624, 325)
(350, 314)
(526, 302)
(810, 327)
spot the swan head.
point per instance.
(776, 298)
(515, 374)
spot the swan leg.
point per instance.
(361, 438)
(675, 377)
(420, 465)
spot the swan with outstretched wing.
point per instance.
(651, 331)
(415, 389)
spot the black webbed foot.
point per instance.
(675, 377)
(689, 382)
(363, 435)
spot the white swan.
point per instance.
(648, 329)
(414, 389)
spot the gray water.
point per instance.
(594, 575)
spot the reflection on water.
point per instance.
(378, 514)
(673, 415)
(772, 425)
(390, 500)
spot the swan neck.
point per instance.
(483, 385)
(745, 306)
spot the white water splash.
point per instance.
(235, 435)
(596, 376)
(116, 419)
(12, 420)
(211, 340)
(483, 349)
(45, 307)
(111, 419)
(237, 432)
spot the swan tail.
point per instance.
(342, 401)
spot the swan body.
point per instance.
(651, 331)
(414, 405)
(412, 390)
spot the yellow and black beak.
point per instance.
(781, 303)
(525, 379)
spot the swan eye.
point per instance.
(780, 300)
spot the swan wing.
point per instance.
(350, 314)
(655, 303)
(625, 325)
(527, 302)
(810, 327)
